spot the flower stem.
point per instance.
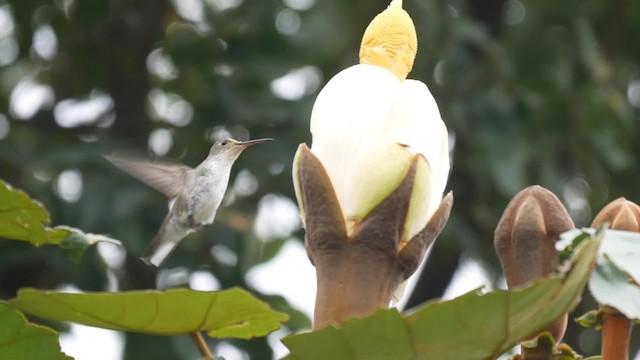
(201, 344)
(616, 333)
(353, 281)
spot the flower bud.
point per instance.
(620, 214)
(525, 240)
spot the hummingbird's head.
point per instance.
(232, 148)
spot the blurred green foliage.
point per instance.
(533, 92)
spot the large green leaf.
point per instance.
(20, 339)
(232, 313)
(472, 326)
(22, 218)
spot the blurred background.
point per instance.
(533, 92)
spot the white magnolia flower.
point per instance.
(368, 123)
(367, 126)
(383, 146)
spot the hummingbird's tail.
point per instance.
(164, 243)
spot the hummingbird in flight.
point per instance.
(197, 192)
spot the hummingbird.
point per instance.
(197, 192)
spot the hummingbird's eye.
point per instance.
(224, 142)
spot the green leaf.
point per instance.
(572, 239)
(20, 339)
(472, 326)
(544, 346)
(611, 286)
(21, 218)
(73, 242)
(232, 313)
(592, 319)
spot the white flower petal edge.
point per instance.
(348, 113)
(414, 120)
(373, 178)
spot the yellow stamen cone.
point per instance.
(390, 41)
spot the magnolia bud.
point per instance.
(620, 214)
(525, 240)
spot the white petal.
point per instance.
(296, 184)
(421, 206)
(374, 178)
(414, 120)
(348, 116)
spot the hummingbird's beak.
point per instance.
(248, 143)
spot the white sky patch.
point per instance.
(223, 255)
(230, 352)
(274, 340)
(84, 342)
(159, 63)
(469, 276)
(297, 83)
(172, 277)
(224, 70)
(204, 281)
(28, 97)
(169, 107)
(161, 141)
(69, 185)
(45, 42)
(6, 21)
(289, 274)
(72, 113)
(113, 255)
(8, 51)
(300, 5)
(191, 10)
(217, 133)
(222, 5)
(633, 93)
(8, 44)
(277, 217)
(288, 21)
(245, 183)
(514, 12)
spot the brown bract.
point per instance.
(525, 240)
(357, 275)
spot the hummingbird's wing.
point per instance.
(170, 233)
(169, 179)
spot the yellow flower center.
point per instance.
(390, 41)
